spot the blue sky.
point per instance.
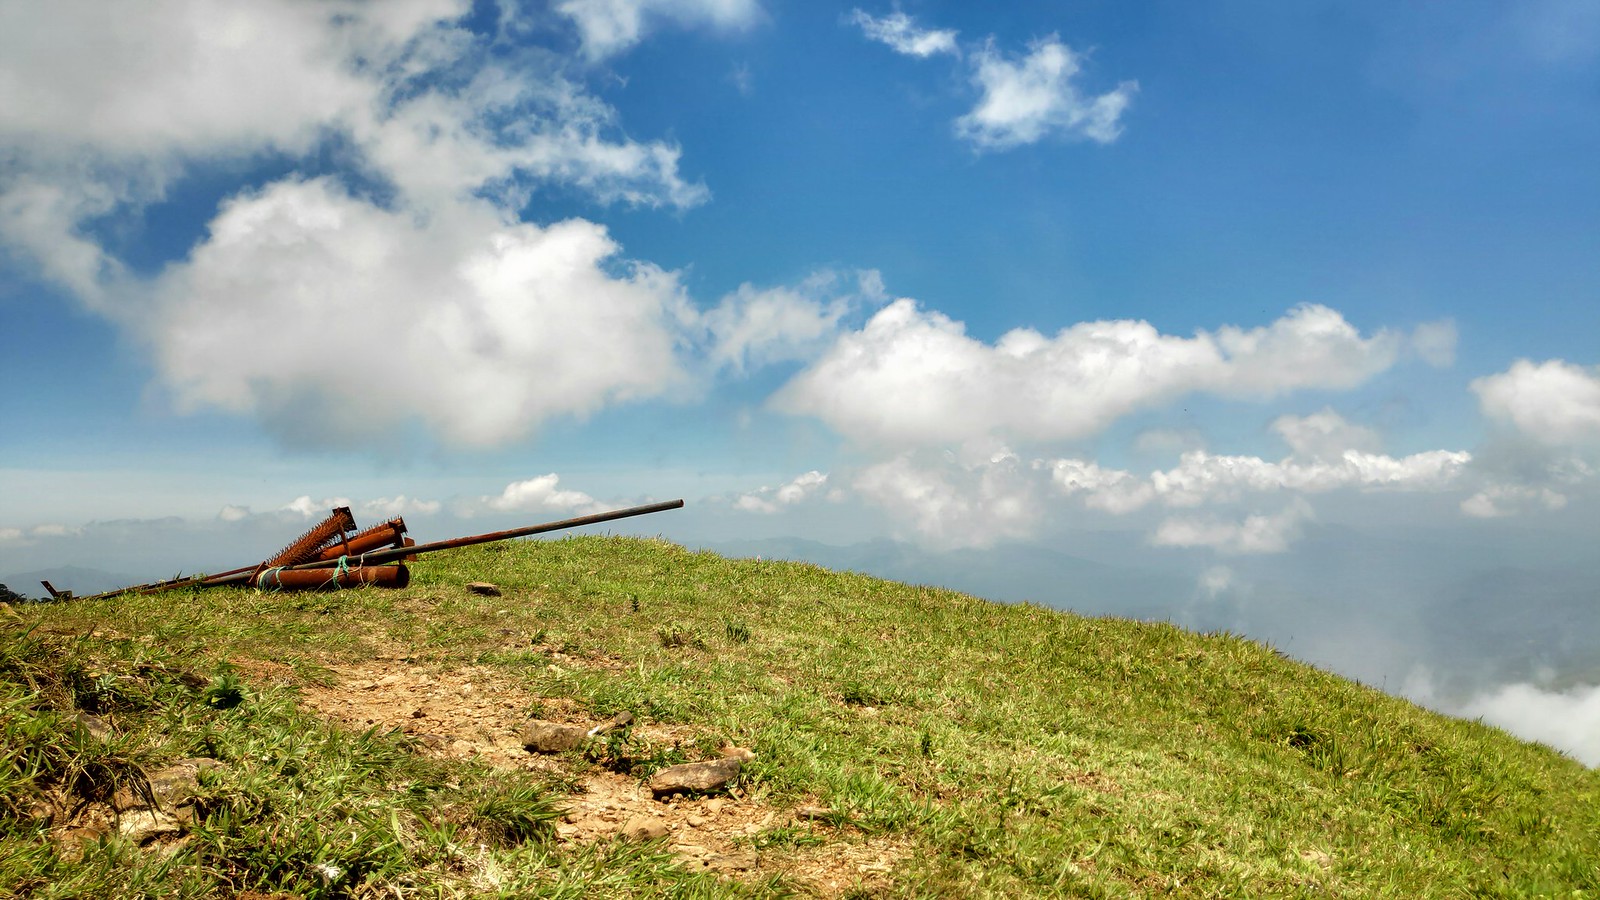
(1216, 282)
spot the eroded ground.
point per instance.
(474, 713)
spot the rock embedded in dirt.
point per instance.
(484, 588)
(812, 812)
(538, 736)
(172, 789)
(93, 726)
(699, 778)
(620, 720)
(644, 828)
(733, 862)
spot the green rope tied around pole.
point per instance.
(340, 570)
(275, 574)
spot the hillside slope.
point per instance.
(907, 741)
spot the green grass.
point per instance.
(1014, 750)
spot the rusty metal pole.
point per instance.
(382, 556)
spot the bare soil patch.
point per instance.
(474, 713)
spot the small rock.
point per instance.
(733, 862)
(742, 753)
(94, 726)
(812, 812)
(484, 588)
(538, 736)
(144, 825)
(702, 777)
(1317, 858)
(697, 821)
(620, 720)
(644, 828)
(714, 806)
(172, 789)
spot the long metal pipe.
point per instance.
(379, 557)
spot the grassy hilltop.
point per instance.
(908, 741)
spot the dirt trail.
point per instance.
(474, 713)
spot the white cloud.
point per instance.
(1215, 581)
(542, 494)
(304, 294)
(1435, 343)
(390, 507)
(1256, 534)
(1202, 477)
(970, 499)
(1325, 435)
(233, 513)
(1554, 402)
(307, 508)
(10, 535)
(912, 377)
(608, 27)
(1028, 99)
(753, 327)
(335, 320)
(769, 500)
(1497, 500)
(902, 34)
(1567, 720)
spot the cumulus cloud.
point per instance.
(1553, 402)
(903, 35)
(608, 27)
(1567, 720)
(542, 494)
(753, 327)
(912, 377)
(1497, 500)
(478, 329)
(1024, 100)
(1324, 435)
(233, 513)
(390, 507)
(1255, 534)
(769, 500)
(1201, 478)
(971, 498)
(304, 292)
(307, 508)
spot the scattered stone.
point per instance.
(733, 862)
(141, 826)
(697, 821)
(94, 726)
(743, 753)
(644, 828)
(620, 720)
(484, 588)
(1317, 858)
(812, 813)
(538, 736)
(700, 778)
(172, 792)
(714, 806)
